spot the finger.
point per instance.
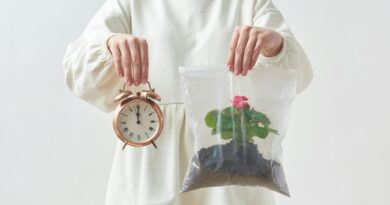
(256, 51)
(248, 51)
(144, 60)
(239, 53)
(232, 48)
(126, 62)
(136, 59)
(117, 60)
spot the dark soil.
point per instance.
(233, 164)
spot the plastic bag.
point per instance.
(238, 123)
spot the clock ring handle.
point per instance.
(124, 86)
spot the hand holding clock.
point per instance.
(130, 55)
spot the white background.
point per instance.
(56, 149)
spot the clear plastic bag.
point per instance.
(238, 123)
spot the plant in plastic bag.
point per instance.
(238, 124)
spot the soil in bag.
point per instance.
(232, 164)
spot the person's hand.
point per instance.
(130, 56)
(248, 43)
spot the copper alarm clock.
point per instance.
(138, 120)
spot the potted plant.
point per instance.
(239, 122)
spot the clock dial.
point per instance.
(138, 121)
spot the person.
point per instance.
(135, 41)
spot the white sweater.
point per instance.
(178, 32)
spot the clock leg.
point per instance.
(124, 146)
(154, 144)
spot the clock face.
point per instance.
(138, 121)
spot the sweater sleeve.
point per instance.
(292, 55)
(88, 65)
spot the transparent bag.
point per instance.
(238, 123)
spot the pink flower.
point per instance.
(240, 101)
(242, 104)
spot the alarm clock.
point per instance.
(138, 120)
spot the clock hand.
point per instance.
(137, 114)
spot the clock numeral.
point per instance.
(139, 137)
(145, 107)
(131, 135)
(131, 109)
(125, 129)
(124, 114)
(153, 121)
(146, 134)
(123, 123)
(151, 113)
(151, 129)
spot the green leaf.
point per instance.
(231, 110)
(272, 130)
(211, 118)
(226, 134)
(260, 117)
(214, 131)
(245, 116)
(247, 112)
(245, 109)
(227, 121)
(259, 132)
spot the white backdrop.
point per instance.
(56, 149)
